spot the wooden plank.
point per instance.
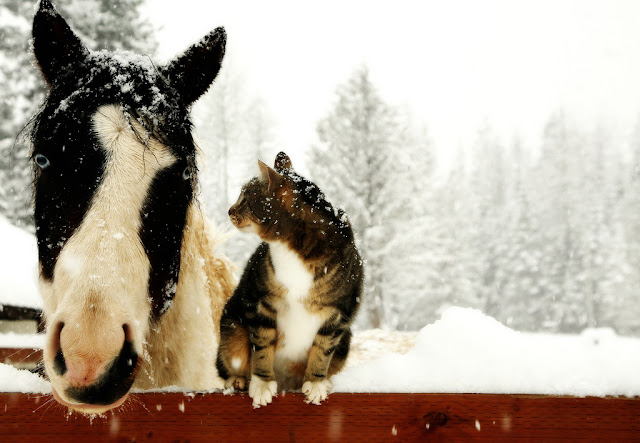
(19, 313)
(8, 312)
(20, 357)
(349, 417)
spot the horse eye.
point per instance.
(186, 174)
(42, 161)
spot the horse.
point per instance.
(132, 281)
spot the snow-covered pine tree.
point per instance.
(218, 116)
(19, 91)
(519, 299)
(413, 285)
(486, 197)
(425, 268)
(454, 203)
(574, 193)
(595, 228)
(551, 197)
(359, 164)
(234, 130)
(110, 24)
(610, 278)
(627, 305)
(103, 24)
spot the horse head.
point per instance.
(114, 178)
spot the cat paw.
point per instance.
(237, 382)
(316, 391)
(262, 392)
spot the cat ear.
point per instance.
(264, 171)
(192, 73)
(270, 176)
(282, 162)
(56, 48)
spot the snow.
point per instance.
(9, 19)
(468, 352)
(26, 341)
(20, 380)
(18, 267)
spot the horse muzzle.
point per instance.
(87, 382)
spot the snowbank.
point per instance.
(26, 341)
(468, 352)
(18, 267)
(20, 380)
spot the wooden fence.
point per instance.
(343, 417)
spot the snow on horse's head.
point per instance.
(127, 273)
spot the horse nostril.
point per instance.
(128, 332)
(59, 365)
(57, 331)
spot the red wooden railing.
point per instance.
(20, 357)
(348, 417)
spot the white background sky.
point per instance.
(454, 63)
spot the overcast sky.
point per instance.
(454, 63)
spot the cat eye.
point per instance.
(186, 174)
(42, 161)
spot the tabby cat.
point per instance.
(288, 324)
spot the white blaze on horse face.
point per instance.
(101, 277)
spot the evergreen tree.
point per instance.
(219, 119)
(563, 255)
(234, 130)
(19, 93)
(552, 193)
(623, 288)
(486, 194)
(359, 165)
(425, 267)
(110, 24)
(520, 293)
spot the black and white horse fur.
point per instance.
(132, 287)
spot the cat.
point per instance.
(287, 326)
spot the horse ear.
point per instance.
(270, 176)
(191, 73)
(282, 162)
(55, 46)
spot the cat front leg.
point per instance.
(316, 385)
(263, 386)
(234, 359)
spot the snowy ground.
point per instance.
(18, 267)
(468, 352)
(11, 340)
(370, 345)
